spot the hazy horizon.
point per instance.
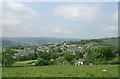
(63, 37)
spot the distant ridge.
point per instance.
(25, 41)
(28, 41)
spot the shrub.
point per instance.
(51, 62)
(41, 62)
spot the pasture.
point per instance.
(62, 71)
(113, 42)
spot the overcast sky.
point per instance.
(60, 19)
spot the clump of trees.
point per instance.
(103, 55)
(29, 56)
(69, 57)
(7, 57)
(78, 55)
(45, 58)
(41, 62)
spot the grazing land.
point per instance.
(62, 71)
(113, 42)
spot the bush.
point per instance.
(51, 62)
(114, 61)
(41, 62)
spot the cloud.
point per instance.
(77, 12)
(115, 16)
(60, 30)
(52, 30)
(17, 17)
(57, 30)
(42, 31)
(107, 31)
(68, 20)
(111, 30)
(15, 13)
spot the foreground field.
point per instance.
(62, 71)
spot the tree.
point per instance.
(69, 57)
(0, 56)
(78, 55)
(33, 56)
(103, 54)
(7, 57)
(21, 58)
(41, 62)
(57, 50)
(89, 54)
(54, 55)
(45, 55)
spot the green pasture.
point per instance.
(61, 71)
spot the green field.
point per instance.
(24, 63)
(62, 71)
(17, 50)
(113, 42)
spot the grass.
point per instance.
(24, 63)
(17, 50)
(90, 44)
(113, 42)
(62, 71)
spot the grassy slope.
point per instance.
(24, 63)
(113, 42)
(62, 71)
(17, 50)
(90, 44)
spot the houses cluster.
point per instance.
(58, 47)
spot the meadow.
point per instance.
(61, 71)
(113, 42)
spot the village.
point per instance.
(58, 48)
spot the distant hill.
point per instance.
(7, 43)
(25, 41)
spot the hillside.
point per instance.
(111, 41)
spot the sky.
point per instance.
(86, 20)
